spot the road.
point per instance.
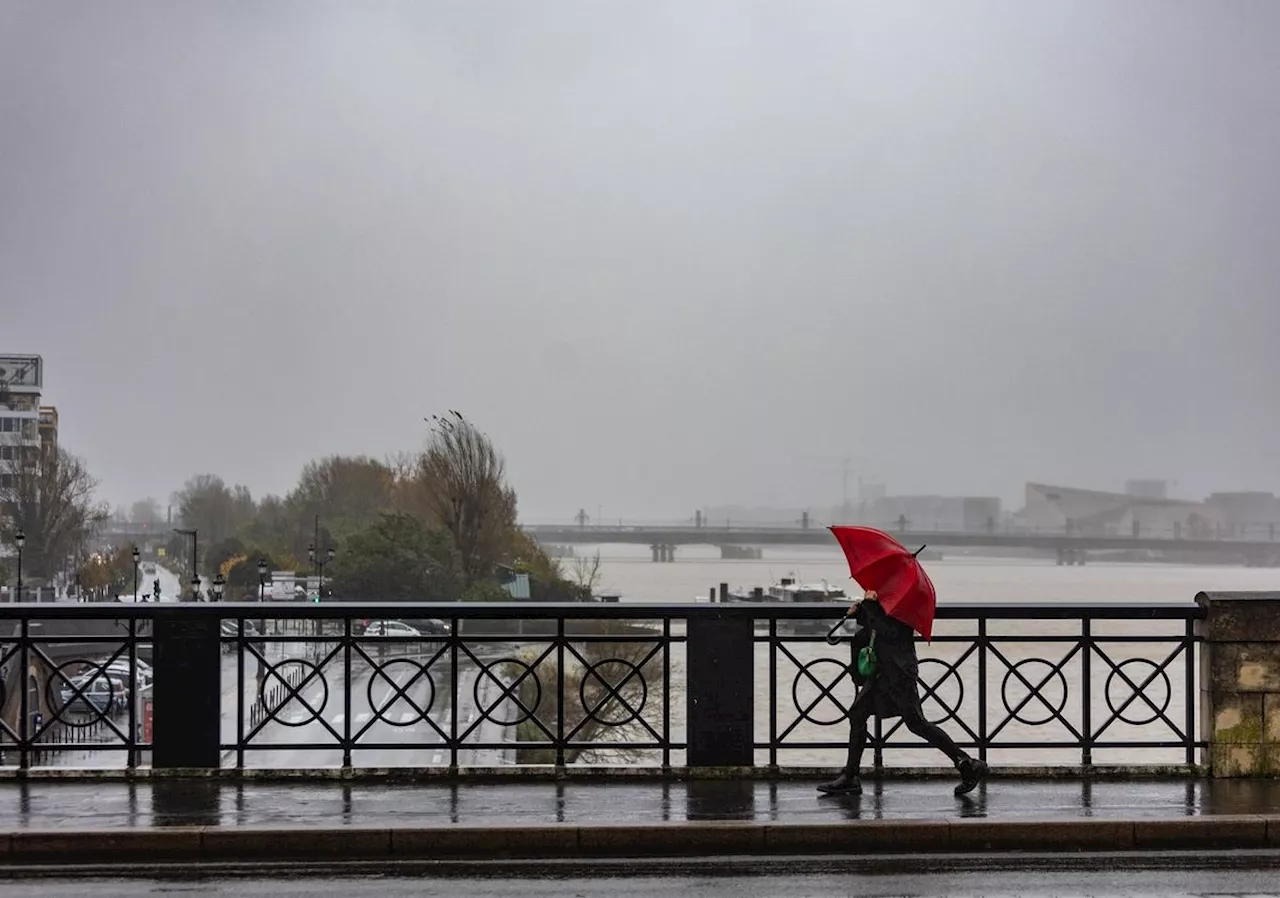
(1033, 883)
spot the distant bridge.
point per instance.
(1070, 547)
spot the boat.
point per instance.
(788, 590)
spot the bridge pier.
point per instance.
(1071, 557)
(663, 553)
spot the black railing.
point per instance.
(302, 686)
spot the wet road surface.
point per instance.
(1259, 883)
(51, 804)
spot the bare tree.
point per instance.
(50, 495)
(461, 483)
(585, 572)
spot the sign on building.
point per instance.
(21, 373)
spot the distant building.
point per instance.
(21, 380)
(1247, 514)
(1147, 489)
(1099, 513)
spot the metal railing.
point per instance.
(612, 684)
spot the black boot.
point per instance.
(972, 772)
(845, 784)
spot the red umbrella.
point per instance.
(881, 563)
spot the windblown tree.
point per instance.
(50, 495)
(461, 485)
(206, 504)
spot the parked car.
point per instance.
(389, 629)
(430, 626)
(97, 692)
(120, 668)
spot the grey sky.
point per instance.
(667, 254)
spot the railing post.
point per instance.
(720, 691)
(1240, 682)
(187, 690)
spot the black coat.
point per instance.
(892, 690)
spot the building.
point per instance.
(48, 429)
(1147, 489)
(1056, 509)
(21, 380)
(1248, 514)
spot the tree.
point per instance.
(216, 558)
(241, 573)
(50, 495)
(397, 559)
(109, 573)
(206, 504)
(461, 482)
(349, 492)
(145, 511)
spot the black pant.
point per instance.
(912, 718)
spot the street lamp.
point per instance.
(319, 565)
(219, 584)
(195, 588)
(19, 540)
(262, 579)
(136, 556)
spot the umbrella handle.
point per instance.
(832, 639)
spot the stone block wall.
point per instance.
(1240, 682)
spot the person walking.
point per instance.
(891, 691)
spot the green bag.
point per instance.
(867, 658)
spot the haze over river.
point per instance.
(628, 571)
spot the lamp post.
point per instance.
(319, 563)
(319, 559)
(219, 585)
(262, 597)
(195, 588)
(19, 540)
(136, 557)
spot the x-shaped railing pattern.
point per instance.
(1051, 695)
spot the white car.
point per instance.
(120, 668)
(389, 629)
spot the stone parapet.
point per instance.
(1240, 682)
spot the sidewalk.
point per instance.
(70, 804)
(47, 826)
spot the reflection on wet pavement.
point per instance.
(221, 803)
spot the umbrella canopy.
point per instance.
(879, 562)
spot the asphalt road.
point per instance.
(1034, 883)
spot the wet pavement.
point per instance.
(82, 805)
(1033, 883)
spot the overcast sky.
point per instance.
(666, 254)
